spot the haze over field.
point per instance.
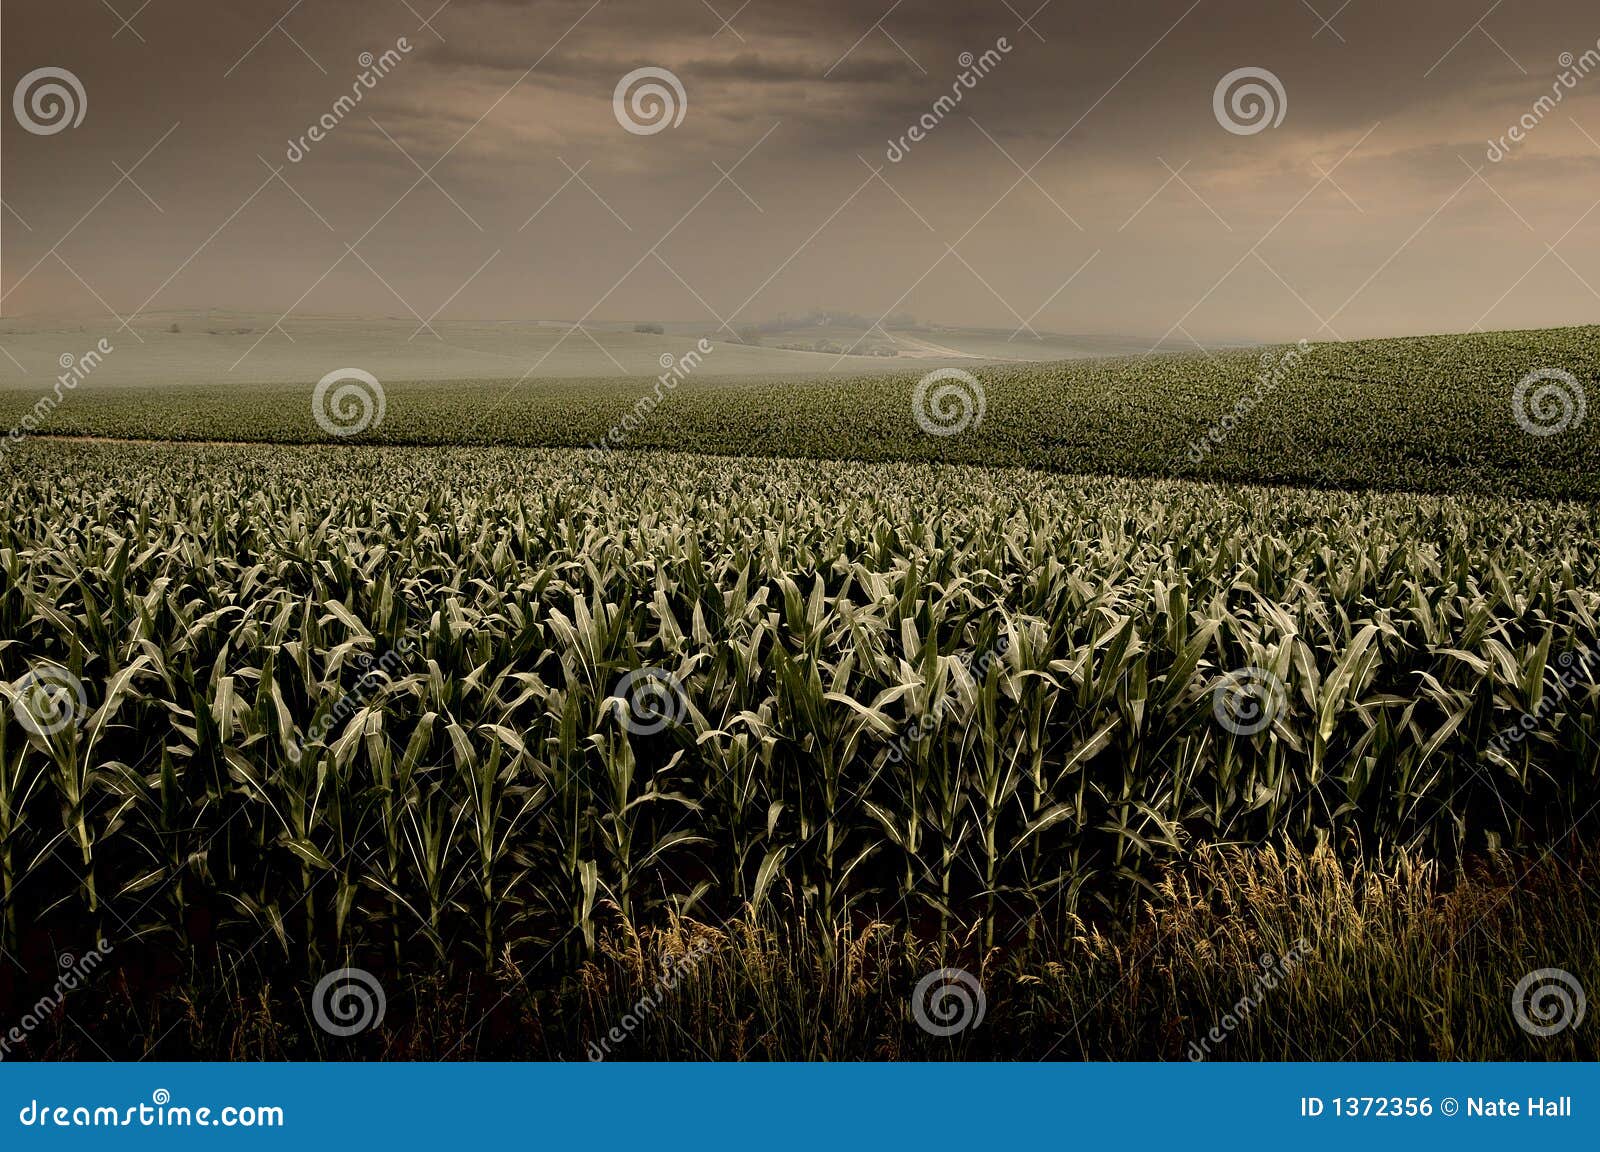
(217, 346)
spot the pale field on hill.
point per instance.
(221, 347)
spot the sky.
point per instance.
(1087, 181)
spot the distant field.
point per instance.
(1430, 414)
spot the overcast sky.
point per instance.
(1100, 104)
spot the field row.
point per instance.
(1442, 414)
(355, 698)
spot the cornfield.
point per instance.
(1430, 414)
(418, 705)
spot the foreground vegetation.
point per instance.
(1430, 414)
(1391, 963)
(385, 706)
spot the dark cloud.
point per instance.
(1113, 102)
